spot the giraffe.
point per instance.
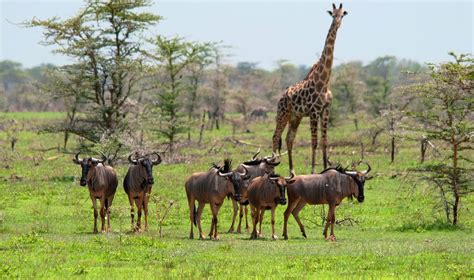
(311, 98)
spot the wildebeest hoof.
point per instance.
(191, 236)
(331, 238)
(285, 236)
(304, 234)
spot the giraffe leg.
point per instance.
(313, 120)
(281, 121)
(290, 137)
(324, 135)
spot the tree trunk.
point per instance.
(424, 145)
(455, 184)
(392, 152)
(202, 126)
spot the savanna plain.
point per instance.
(46, 218)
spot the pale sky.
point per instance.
(266, 31)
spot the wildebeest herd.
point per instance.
(253, 183)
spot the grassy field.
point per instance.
(46, 219)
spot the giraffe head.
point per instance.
(337, 14)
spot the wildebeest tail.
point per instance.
(194, 216)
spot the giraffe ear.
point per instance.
(345, 13)
(330, 13)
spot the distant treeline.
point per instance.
(357, 88)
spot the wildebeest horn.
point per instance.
(267, 161)
(292, 174)
(134, 161)
(245, 171)
(104, 158)
(275, 178)
(158, 160)
(368, 170)
(254, 156)
(77, 159)
(224, 174)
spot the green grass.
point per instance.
(46, 219)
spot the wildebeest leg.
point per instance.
(132, 210)
(254, 214)
(235, 207)
(333, 220)
(290, 137)
(291, 205)
(296, 212)
(260, 219)
(215, 211)
(329, 220)
(274, 237)
(241, 215)
(102, 213)
(96, 214)
(314, 120)
(109, 203)
(139, 204)
(192, 218)
(246, 221)
(199, 213)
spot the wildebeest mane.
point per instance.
(214, 165)
(227, 165)
(226, 168)
(338, 168)
(254, 162)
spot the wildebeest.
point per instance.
(137, 184)
(212, 187)
(102, 183)
(266, 192)
(256, 167)
(329, 187)
(259, 113)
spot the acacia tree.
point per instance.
(104, 41)
(444, 112)
(173, 57)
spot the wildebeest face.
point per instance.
(280, 183)
(359, 178)
(237, 180)
(147, 166)
(86, 165)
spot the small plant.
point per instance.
(163, 208)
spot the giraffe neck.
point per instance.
(325, 61)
